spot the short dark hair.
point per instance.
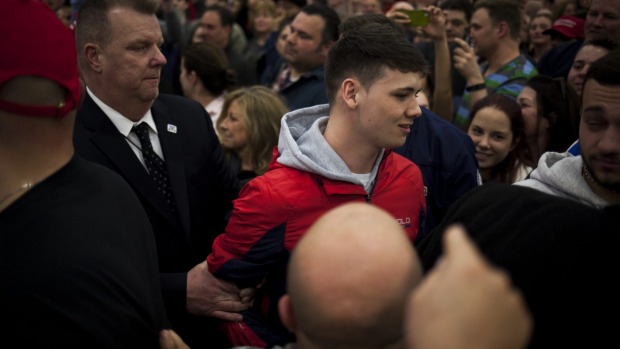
(605, 70)
(365, 52)
(355, 22)
(93, 24)
(602, 40)
(331, 18)
(226, 17)
(283, 24)
(464, 6)
(503, 11)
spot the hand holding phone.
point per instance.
(418, 18)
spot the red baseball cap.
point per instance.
(38, 44)
(568, 26)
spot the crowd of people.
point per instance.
(309, 173)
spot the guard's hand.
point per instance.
(210, 296)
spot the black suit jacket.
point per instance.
(201, 180)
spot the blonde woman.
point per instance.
(249, 127)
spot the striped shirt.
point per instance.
(508, 80)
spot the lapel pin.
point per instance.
(172, 128)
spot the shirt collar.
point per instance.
(123, 124)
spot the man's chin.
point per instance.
(609, 181)
(289, 57)
(150, 96)
(611, 186)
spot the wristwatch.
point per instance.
(473, 88)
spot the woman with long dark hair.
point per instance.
(497, 130)
(551, 114)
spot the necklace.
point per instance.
(24, 186)
(588, 177)
(586, 174)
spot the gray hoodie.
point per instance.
(302, 146)
(559, 174)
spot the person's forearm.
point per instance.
(442, 94)
(477, 90)
(465, 61)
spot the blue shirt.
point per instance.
(446, 157)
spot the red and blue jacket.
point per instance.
(273, 212)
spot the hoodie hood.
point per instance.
(302, 146)
(560, 174)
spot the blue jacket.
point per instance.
(308, 91)
(446, 158)
(556, 62)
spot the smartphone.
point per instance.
(419, 18)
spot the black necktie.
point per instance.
(154, 164)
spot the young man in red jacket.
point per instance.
(327, 155)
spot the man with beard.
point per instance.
(557, 241)
(299, 78)
(594, 177)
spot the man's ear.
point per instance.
(286, 313)
(193, 77)
(502, 29)
(348, 91)
(325, 48)
(92, 56)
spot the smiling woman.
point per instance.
(497, 129)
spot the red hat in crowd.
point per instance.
(37, 43)
(570, 27)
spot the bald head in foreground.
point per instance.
(348, 280)
(354, 281)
